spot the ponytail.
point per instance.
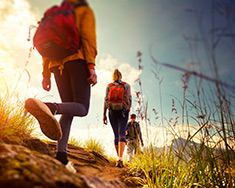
(117, 75)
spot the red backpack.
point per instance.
(116, 95)
(57, 36)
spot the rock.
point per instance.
(37, 145)
(97, 182)
(21, 167)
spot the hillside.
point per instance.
(32, 164)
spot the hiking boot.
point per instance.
(70, 167)
(48, 124)
(119, 164)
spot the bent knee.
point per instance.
(83, 114)
(82, 110)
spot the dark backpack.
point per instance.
(132, 132)
(57, 36)
(116, 95)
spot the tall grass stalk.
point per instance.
(210, 108)
(199, 168)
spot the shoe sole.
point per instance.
(48, 124)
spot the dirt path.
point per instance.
(92, 164)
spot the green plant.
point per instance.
(112, 158)
(165, 168)
(94, 145)
(75, 142)
(207, 104)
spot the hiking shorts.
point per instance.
(131, 147)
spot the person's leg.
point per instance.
(66, 94)
(137, 147)
(73, 88)
(75, 95)
(116, 148)
(114, 125)
(121, 147)
(65, 122)
(122, 123)
(130, 150)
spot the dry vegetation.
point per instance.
(208, 102)
(15, 124)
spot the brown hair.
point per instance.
(117, 75)
(133, 116)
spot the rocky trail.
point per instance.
(32, 164)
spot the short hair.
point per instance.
(117, 75)
(133, 116)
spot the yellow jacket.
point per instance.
(85, 21)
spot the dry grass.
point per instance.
(94, 145)
(75, 142)
(15, 124)
(208, 104)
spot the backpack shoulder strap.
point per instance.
(136, 124)
(111, 84)
(119, 83)
(122, 84)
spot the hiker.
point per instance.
(134, 137)
(118, 101)
(74, 75)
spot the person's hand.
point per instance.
(93, 77)
(105, 121)
(46, 83)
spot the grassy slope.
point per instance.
(198, 165)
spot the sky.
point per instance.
(157, 28)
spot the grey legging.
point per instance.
(74, 92)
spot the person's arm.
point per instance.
(88, 37)
(46, 73)
(106, 101)
(129, 97)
